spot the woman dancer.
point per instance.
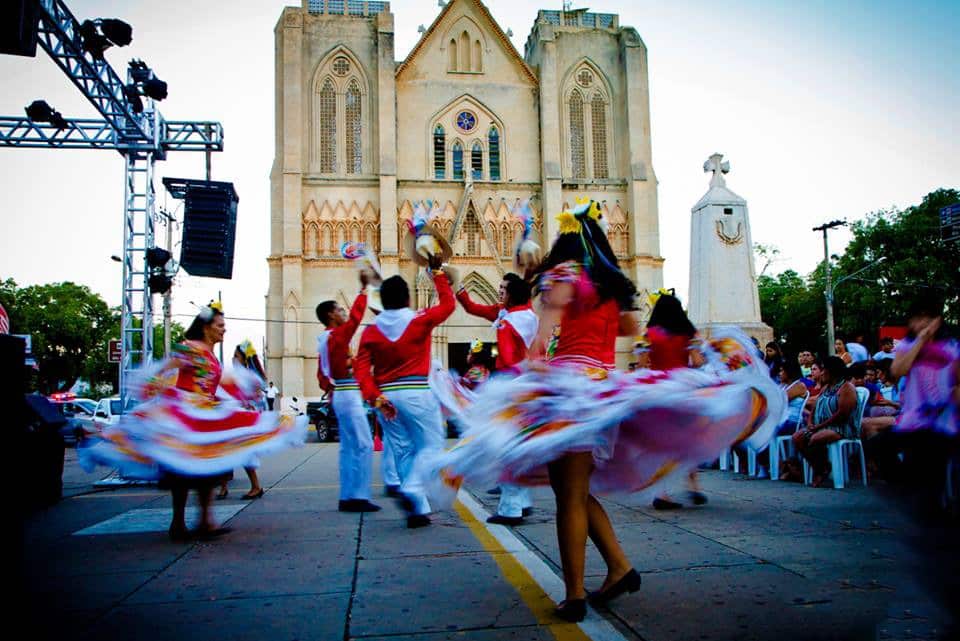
(669, 337)
(245, 355)
(587, 429)
(185, 434)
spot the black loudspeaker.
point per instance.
(209, 228)
(18, 28)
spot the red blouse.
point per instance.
(591, 331)
(667, 351)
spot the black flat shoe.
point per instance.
(666, 504)
(417, 520)
(527, 511)
(572, 610)
(698, 498)
(222, 494)
(178, 535)
(495, 491)
(629, 582)
(505, 520)
(255, 495)
(358, 505)
(209, 535)
(393, 491)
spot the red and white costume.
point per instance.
(335, 375)
(393, 361)
(516, 330)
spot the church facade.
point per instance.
(463, 120)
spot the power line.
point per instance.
(267, 320)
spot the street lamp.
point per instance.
(831, 349)
(830, 292)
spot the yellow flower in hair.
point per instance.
(216, 306)
(569, 223)
(248, 349)
(476, 346)
(653, 297)
(594, 211)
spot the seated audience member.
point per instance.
(886, 350)
(805, 358)
(816, 369)
(773, 357)
(833, 418)
(791, 382)
(841, 349)
(858, 352)
(888, 401)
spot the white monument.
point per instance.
(723, 280)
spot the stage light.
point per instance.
(40, 111)
(116, 31)
(162, 267)
(146, 80)
(98, 35)
(155, 88)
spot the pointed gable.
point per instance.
(484, 37)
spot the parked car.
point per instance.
(78, 413)
(323, 418)
(107, 412)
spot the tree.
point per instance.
(895, 258)
(68, 324)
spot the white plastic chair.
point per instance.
(839, 452)
(781, 447)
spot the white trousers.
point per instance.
(513, 500)
(388, 462)
(417, 429)
(356, 445)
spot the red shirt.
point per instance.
(338, 345)
(591, 331)
(511, 348)
(380, 360)
(667, 351)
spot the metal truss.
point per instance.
(141, 138)
(59, 36)
(83, 133)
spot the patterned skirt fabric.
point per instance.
(175, 431)
(643, 428)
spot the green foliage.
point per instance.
(895, 258)
(71, 327)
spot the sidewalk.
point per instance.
(763, 560)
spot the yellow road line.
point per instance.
(541, 605)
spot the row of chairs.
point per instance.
(781, 448)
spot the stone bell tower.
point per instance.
(723, 280)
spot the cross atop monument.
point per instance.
(719, 167)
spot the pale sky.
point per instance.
(825, 109)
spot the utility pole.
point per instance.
(168, 295)
(828, 293)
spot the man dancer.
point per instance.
(516, 326)
(335, 376)
(392, 365)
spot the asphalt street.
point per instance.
(763, 560)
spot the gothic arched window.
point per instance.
(327, 104)
(339, 130)
(493, 144)
(598, 123)
(471, 230)
(477, 56)
(464, 51)
(587, 120)
(476, 161)
(353, 129)
(439, 153)
(578, 158)
(457, 161)
(452, 55)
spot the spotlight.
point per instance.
(146, 80)
(99, 35)
(155, 88)
(40, 111)
(161, 267)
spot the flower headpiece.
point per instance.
(207, 313)
(247, 348)
(476, 346)
(653, 297)
(571, 220)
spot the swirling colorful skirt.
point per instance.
(643, 428)
(181, 433)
